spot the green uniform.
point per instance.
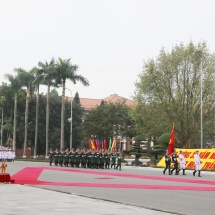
(113, 160)
(107, 160)
(119, 161)
(51, 156)
(56, 154)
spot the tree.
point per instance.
(46, 75)
(77, 128)
(16, 87)
(172, 82)
(26, 79)
(65, 70)
(108, 120)
(136, 149)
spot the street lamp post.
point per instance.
(70, 143)
(2, 118)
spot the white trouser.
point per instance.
(182, 165)
(197, 167)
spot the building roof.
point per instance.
(88, 103)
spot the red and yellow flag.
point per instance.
(171, 145)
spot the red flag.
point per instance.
(171, 145)
(92, 145)
(97, 144)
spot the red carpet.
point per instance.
(29, 175)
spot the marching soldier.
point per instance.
(107, 159)
(72, 157)
(51, 155)
(175, 162)
(83, 158)
(113, 160)
(182, 162)
(101, 159)
(96, 158)
(167, 162)
(77, 157)
(198, 162)
(66, 157)
(89, 158)
(56, 159)
(61, 154)
(119, 160)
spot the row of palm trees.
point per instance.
(53, 73)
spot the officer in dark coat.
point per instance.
(175, 162)
(167, 162)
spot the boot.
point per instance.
(184, 172)
(178, 171)
(199, 174)
(194, 173)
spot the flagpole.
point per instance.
(201, 107)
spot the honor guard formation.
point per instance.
(7, 155)
(173, 159)
(86, 158)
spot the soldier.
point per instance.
(89, 158)
(96, 157)
(51, 155)
(56, 158)
(167, 162)
(66, 157)
(119, 159)
(175, 162)
(113, 160)
(72, 157)
(101, 159)
(198, 162)
(77, 158)
(182, 162)
(92, 159)
(83, 158)
(107, 159)
(61, 154)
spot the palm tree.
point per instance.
(26, 79)
(37, 81)
(66, 70)
(16, 86)
(46, 74)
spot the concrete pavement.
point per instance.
(163, 194)
(25, 200)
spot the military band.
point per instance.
(86, 158)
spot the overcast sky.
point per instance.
(108, 39)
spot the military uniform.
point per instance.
(61, 154)
(175, 162)
(56, 154)
(83, 159)
(198, 162)
(119, 161)
(51, 156)
(182, 162)
(66, 158)
(168, 163)
(72, 158)
(113, 160)
(107, 160)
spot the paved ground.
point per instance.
(133, 190)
